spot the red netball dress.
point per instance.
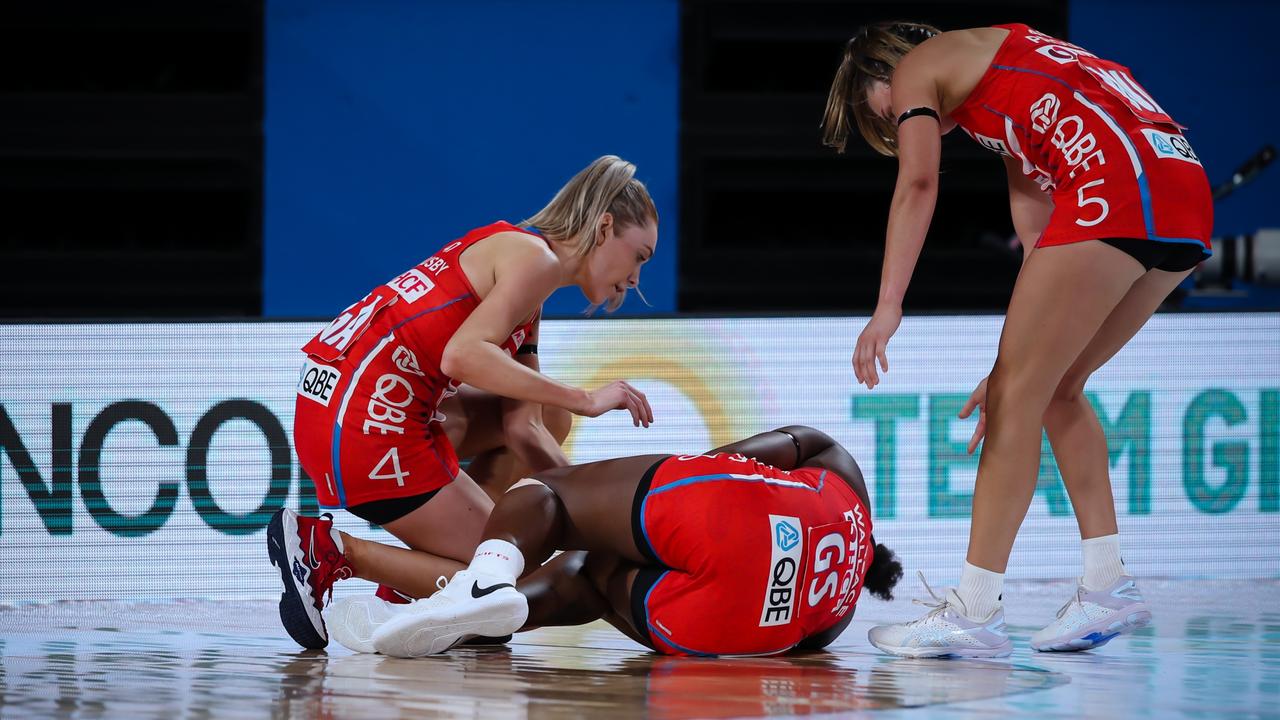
(1116, 164)
(756, 559)
(367, 425)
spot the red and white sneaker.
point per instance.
(308, 553)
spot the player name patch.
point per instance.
(784, 570)
(1170, 145)
(317, 381)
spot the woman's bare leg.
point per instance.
(1074, 431)
(580, 507)
(1063, 297)
(584, 507)
(473, 423)
(442, 536)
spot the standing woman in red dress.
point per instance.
(371, 426)
(1113, 209)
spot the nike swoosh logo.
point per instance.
(311, 551)
(479, 592)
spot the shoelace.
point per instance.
(1078, 599)
(937, 605)
(436, 598)
(339, 571)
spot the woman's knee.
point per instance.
(558, 422)
(450, 524)
(1068, 397)
(1013, 390)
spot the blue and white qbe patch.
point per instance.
(1170, 145)
(784, 570)
(787, 534)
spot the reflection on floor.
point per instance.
(1214, 650)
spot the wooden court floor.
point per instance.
(1213, 651)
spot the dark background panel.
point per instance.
(135, 179)
(131, 159)
(762, 198)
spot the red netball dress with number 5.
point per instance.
(1117, 165)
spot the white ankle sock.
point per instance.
(980, 591)
(499, 559)
(1102, 563)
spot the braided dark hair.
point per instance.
(884, 573)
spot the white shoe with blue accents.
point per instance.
(946, 631)
(1093, 617)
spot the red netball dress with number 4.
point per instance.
(1117, 165)
(367, 424)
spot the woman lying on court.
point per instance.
(756, 548)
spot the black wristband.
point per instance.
(528, 349)
(794, 441)
(913, 112)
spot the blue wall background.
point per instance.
(394, 127)
(1214, 67)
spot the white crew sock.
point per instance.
(498, 559)
(979, 591)
(1102, 563)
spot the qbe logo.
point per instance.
(784, 570)
(1171, 145)
(318, 381)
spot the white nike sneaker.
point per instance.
(352, 620)
(470, 605)
(944, 631)
(1093, 617)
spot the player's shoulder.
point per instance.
(526, 245)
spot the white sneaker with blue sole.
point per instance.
(1093, 617)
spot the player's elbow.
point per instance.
(919, 184)
(457, 360)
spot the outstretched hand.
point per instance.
(620, 395)
(977, 399)
(873, 343)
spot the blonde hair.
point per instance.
(870, 55)
(607, 185)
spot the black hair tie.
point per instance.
(913, 112)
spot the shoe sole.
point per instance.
(340, 627)
(416, 635)
(295, 615)
(1097, 634)
(483, 641)
(942, 652)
